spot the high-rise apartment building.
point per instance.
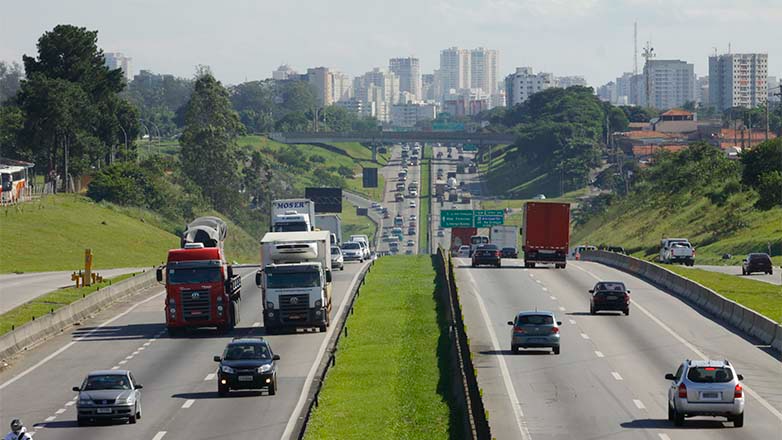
(427, 87)
(455, 69)
(569, 81)
(409, 72)
(379, 86)
(283, 73)
(523, 83)
(773, 89)
(738, 80)
(668, 83)
(116, 60)
(341, 86)
(321, 79)
(484, 64)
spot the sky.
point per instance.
(245, 40)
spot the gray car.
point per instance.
(535, 329)
(108, 395)
(706, 388)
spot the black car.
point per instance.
(756, 263)
(609, 295)
(247, 364)
(486, 254)
(509, 252)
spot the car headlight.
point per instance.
(318, 304)
(125, 400)
(85, 402)
(219, 309)
(226, 369)
(264, 368)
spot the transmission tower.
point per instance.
(648, 54)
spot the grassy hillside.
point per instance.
(51, 234)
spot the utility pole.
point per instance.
(648, 55)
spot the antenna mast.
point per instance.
(648, 55)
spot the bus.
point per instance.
(13, 180)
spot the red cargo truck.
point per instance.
(201, 288)
(461, 236)
(545, 233)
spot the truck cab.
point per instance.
(291, 222)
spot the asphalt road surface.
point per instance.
(775, 278)
(179, 400)
(17, 289)
(390, 173)
(608, 381)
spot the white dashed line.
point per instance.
(616, 375)
(561, 308)
(50, 418)
(572, 321)
(129, 357)
(554, 298)
(188, 403)
(142, 348)
(122, 362)
(663, 436)
(598, 353)
(75, 398)
(116, 367)
(60, 411)
(147, 344)
(584, 335)
(538, 281)
(69, 403)
(639, 404)
(545, 289)
(256, 324)
(159, 435)
(209, 376)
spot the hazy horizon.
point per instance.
(246, 40)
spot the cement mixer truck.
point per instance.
(295, 280)
(201, 288)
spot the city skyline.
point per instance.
(235, 42)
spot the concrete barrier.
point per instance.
(749, 322)
(53, 323)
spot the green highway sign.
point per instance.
(467, 218)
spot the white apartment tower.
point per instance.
(670, 83)
(116, 60)
(523, 83)
(738, 80)
(455, 69)
(409, 72)
(484, 64)
(321, 79)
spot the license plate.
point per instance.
(245, 378)
(194, 313)
(610, 297)
(546, 251)
(710, 395)
(294, 316)
(104, 411)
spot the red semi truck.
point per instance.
(545, 233)
(461, 236)
(201, 288)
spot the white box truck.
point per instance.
(504, 236)
(295, 280)
(331, 223)
(292, 215)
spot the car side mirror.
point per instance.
(77, 389)
(258, 278)
(628, 291)
(591, 290)
(559, 322)
(510, 322)
(159, 274)
(328, 276)
(276, 357)
(670, 376)
(217, 358)
(740, 376)
(139, 386)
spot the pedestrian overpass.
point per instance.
(395, 137)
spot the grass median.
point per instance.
(392, 378)
(764, 298)
(424, 206)
(49, 302)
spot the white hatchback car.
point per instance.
(463, 252)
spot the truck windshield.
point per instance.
(289, 280)
(193, 275)
(290, 227)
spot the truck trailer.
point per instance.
(292, 215)
(331, 223)
(295, 280)
(545, 233)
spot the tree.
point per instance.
(158, 98)
(210, 155)
(10, 80)
(295, 97)
(639, 114)
(11, 124)
(337, 118)
(765, 158)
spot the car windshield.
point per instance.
(193, 275)
(609, 287)
(710, 374)
(479, 239)
(246, 352)
(107, 382)
(290, 227)
(351, 246)
(289, 280)
(335, 250)
(535, 320)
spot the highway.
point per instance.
(390, 174)
(179, 399)
(608, 382)
(17, 289)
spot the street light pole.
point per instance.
(126, 142)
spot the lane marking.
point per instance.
(116, 367)
(60, 411)
(572, 321)
(509, 388)
(584, 335)
(146, 344)
(69, 403)
(538, 281)
(141, 349)
(599, 354)
(562, 309)
(50, 418)
(687, 344)
(286, 434)
(188, 403)
(122, 362)
(159, 435)
(210, 376)
(80, 338)
(663, 436)
(545, 289)
(129, 357)
(554, 298)
(616, 375)
(639, 404)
